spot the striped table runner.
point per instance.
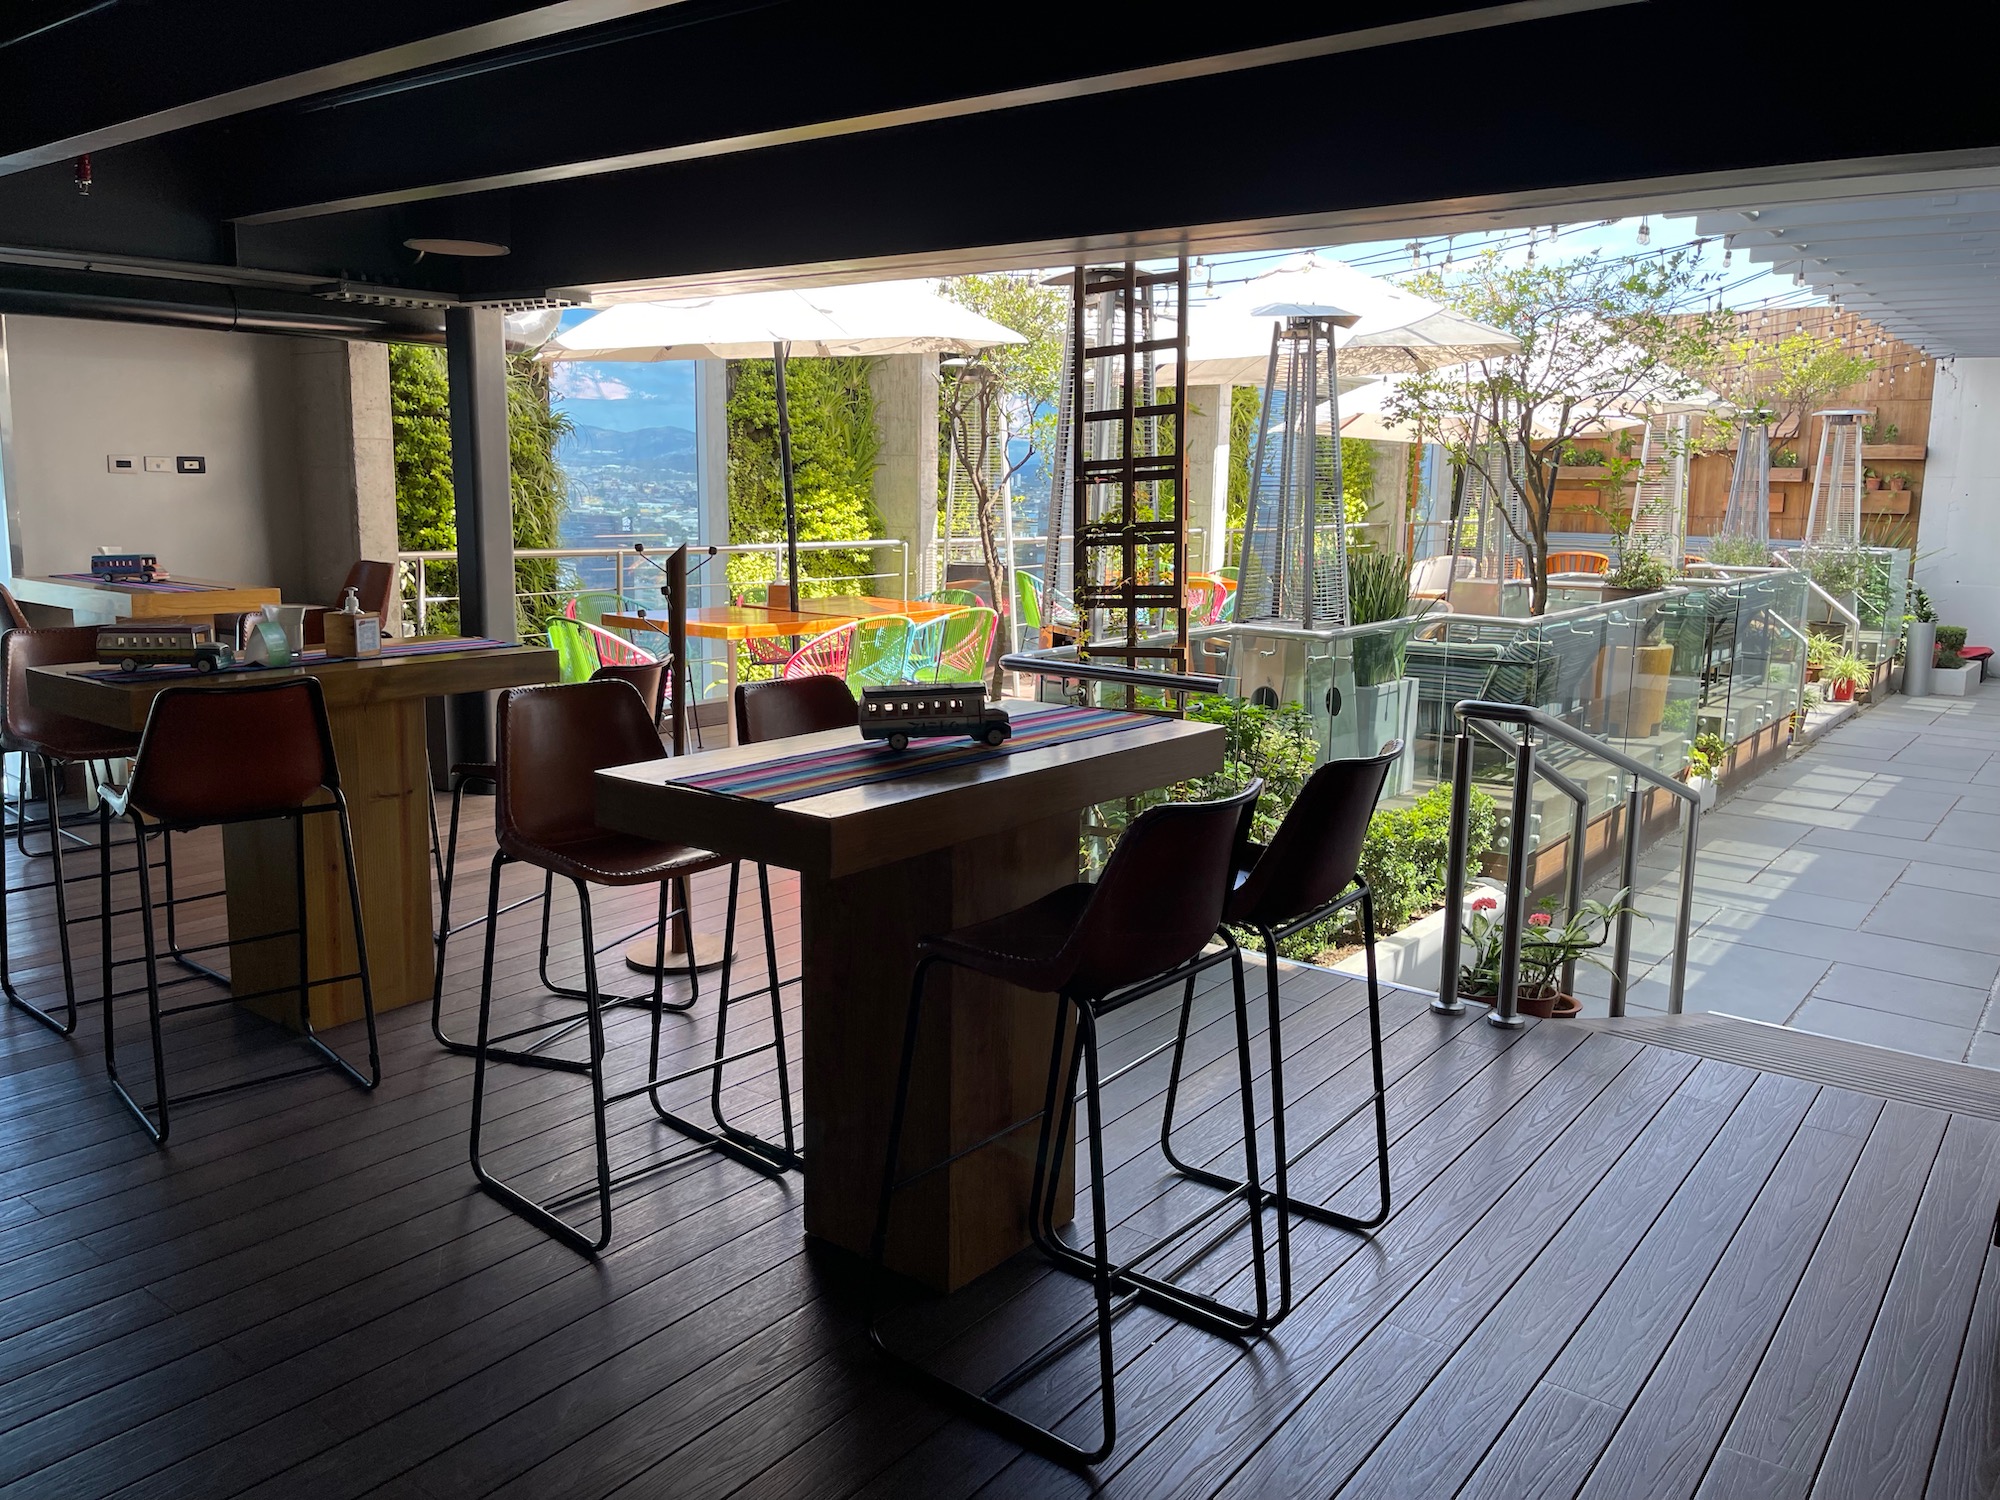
(135, 586)
(821, 771)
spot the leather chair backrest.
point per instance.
(1316, 851)
(552, 742)
(1160, 897)
(222, 754)
(786, 706)
(375, 583)
(23, 649)
(648, 678)
(12, 616)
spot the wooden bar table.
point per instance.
(376, 707)
(881, 866)
(84, 600)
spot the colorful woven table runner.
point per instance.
(821, 771)
(134, 586)
(389, 648)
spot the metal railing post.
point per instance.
(1690, 847)
(1621, 951)
(1447, 1002)
(1506, 1010)
(1579, 824)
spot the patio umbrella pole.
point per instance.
(779, 351)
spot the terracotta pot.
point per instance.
(1555, 1005)
(1899, 484)
(1812, 672)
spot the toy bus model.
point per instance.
(129, 648)
(125, 567)
(901, 714)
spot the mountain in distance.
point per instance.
(669, 448)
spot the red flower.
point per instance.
(1539, 919)
(1486, 903)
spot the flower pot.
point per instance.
(1843, 692)
(1611, 596)
(1899, 484)
(1954, 682)
(1554, 1005)
(1707, 788)
(1384, 712)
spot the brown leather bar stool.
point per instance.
(1140, 929)
(1308, 873)
(13, 617)
(650, 680)
(184, 778)
(52, 740)
(552, 742)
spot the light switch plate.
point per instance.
(159, 463)
(122, 463)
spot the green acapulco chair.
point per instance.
(880, 655)
(954, 648)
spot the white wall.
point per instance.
(83, 390)
(1958, 537)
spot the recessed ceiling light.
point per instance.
(455, 247)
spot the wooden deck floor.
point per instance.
(1614, 1270)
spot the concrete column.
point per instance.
(1208, 476)
(906, 464)
(346, 460)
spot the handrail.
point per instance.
(1530, 721)
(1055, 663)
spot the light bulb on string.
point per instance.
(1645, 231)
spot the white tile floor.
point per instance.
(1853, 892)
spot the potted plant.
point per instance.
(1900, 480)
(1704, 768)
(1952, 676)
(1385, 706)
(1843, 675)
(1840, 571)
(1822, 651)
(1870, 479)
(1739, 552)
(1547, 944)
(1786, 468)
(1919, 644)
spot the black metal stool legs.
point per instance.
(59, 883)
(1377, 1099)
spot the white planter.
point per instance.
(1954, 682)
(1707, 788)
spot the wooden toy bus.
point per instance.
(916, 711)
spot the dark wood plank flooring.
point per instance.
(1614, 1269)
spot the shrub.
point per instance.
(1739, 552)
(1403, 857)
(1951, 638)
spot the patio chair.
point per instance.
(178, 784)
(592, 605)
(581, 648)
(52, 741)
(1307, 874)
(823, 655)
(964, 598)
(953, 648)
(1579, 562)
(651, 681)
(552, 742)
(1140, 929)
(880, 655)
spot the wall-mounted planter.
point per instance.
(1788, 476)
(1893, 450)
(1885, 502)
(1777, 503)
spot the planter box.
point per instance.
(1893, 450)
(1582, 473)
(1385, 713)
(1788, 476)
(1885, 502)
(1777, 503)
(1954, 682)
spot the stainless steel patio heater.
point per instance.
(1749, 513)
(1660, 499)
(1833, 522)
(1294, 558)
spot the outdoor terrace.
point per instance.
(1615, 1267)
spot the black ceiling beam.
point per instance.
(87, 77)
(1302, 151)
(714, 78)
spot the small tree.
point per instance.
(1597, 336)
(998, 410)
(1777, 385)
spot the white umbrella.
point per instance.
(1392, 331)
(1362, 415)
(891, 317)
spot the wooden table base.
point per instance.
(982, 1062)
(380, 750)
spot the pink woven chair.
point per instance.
(822, 655)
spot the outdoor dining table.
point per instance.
(376, 709)
(946, 834)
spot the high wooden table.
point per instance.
(376, 706)
(881, 866)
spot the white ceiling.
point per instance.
(1923, 265)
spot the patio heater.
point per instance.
(1294, 558)
(1486, 504)
(1749, 512)
(1660, 499)
(1834, 519)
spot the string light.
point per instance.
(1645, 230)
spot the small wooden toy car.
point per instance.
(129, 648)
(937, 711)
